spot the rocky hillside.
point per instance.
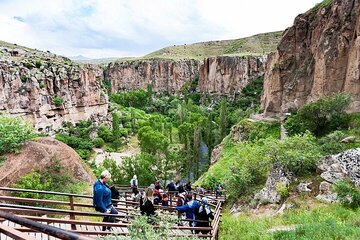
(48, 89)
(318, 56)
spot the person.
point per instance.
(156, 196)
(180, 201)
(146, 204)
(115, 194)
(157, 185)
(189, 209)
(200, 190)
(188, 187)
(204, 214)
(171, 186)
(165, 200)
(134, 183)
(136, 196)
(181, 188)
(102, 198)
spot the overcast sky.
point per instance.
(119, 28)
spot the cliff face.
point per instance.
(318, 56)
(229, 75)
(31, 80)
(217, 75)
(164, 75)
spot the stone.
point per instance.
(325, 193)
(350, 139)
(216, 153)
(332, 176)
(277, 175)
(303, 187)
(315, 59)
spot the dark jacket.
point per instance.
(101, 196)
(171, 187)
(147, 207)
(189, 209)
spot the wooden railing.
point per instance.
(31, 212)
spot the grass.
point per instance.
(322, 4)
(321, 222)
(251, 46)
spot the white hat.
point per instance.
(105, 174)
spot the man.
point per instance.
(171, 186)
(102, 198)
(189, 208)
(134, 183)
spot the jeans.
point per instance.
(109, 218)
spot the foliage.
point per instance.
(320, 117)
(98, 142)
(322, 223)
(331, 143)
(105, 133)
(152, 141)
(250, 95)
(53, 177)
(38, 64)
(116, 130)
(348, 194)
(282, 189)
(135, 98)
(298, 153)
(58, 101)
(116, 175)
(13, 133)
(322, 4)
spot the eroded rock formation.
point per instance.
(318, 56)
(31, 80)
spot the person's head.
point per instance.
(189, 197)
(134, 177)
(149, 193)
(165, 195)
(204, 200)
(105, 175)
(152, 186)
(172, 181)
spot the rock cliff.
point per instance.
(318, 56)
(225, 75)
(48, 89)
(164, 75)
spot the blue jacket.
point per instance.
(101, 196)
(189, 209)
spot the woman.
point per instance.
(204, 213)
(146, 203)
(102, 198)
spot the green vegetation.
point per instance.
(58, 101)
(250, 46)
(323, 223)
(13, 133)
(38, 64)
(348, 194)
(322, 4)
(54, 177)
(320, 117)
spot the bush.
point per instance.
(13, 133)
(106, 134)
(58, 101)
(282, 189)
(348, 194)
(320, 117)
(38, 64)
(330, 144)
(299, 153)
(98, 142)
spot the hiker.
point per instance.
(146, 203)
(200, 190)
(157, 185)
(203, 213)
(181, 188)
(134, 183)
(102, 198)
(188, 187)
(189, 209)
(157, 196)
(136, 196)
(165, 200)
(171, 186)
(114, 195)
(180, 201)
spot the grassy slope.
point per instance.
(255, 45)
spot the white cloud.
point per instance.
(104, 28)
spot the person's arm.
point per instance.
(183, 208)
(99, 192)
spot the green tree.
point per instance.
(116, 130)
(13, 133)
(152, 141)
(223, 118)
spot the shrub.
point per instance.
(105, 133)
(13, 133)
(282, 189)
(24, 78)
(58, 101)
(320, 117)
(38, 64)
(98, 142)
(330, 144)
(348, 194)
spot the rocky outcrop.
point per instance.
(318, 56)
(216, 75)
(279, 176)
(36, 155)
(31, 82)
(163, 75)
(225, 75)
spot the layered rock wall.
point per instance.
(30, 83)
(318, 56)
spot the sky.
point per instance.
(121, 28)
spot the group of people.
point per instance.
(197, 213)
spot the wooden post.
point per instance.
(170, 199)
(72, 216)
